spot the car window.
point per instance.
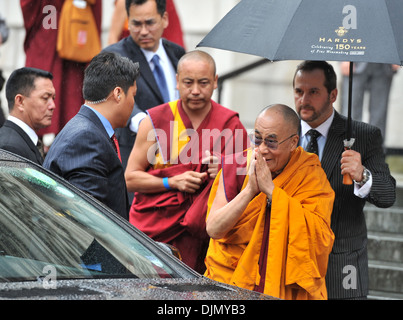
(46, 226)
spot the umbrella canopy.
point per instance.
(336, 30)
(333, 30)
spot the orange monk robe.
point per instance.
(300, 238)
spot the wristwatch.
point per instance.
(365, 177)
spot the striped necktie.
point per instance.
(41, 150)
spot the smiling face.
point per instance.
(271, 126)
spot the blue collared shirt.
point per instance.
(107, 125)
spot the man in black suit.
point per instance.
(85, 152)
(314, 94)
(147, 21)
(30, 95)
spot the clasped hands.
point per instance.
(260, 177)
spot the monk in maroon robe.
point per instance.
(176, 157)
(40, 49)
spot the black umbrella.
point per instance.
(333, 30)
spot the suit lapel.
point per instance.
(88, 113)
(134, 53)
(170, 52)
(27, 140)
(334, 145)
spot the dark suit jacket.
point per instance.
(148, 94)
(348, 262)
(14, 139)
(84, 155)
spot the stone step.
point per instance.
(385, 276)
(384, 295)
(384, 219)
(399, 196)
(385, 247)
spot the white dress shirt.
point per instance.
(27, 129)
(170, 77)
(169, 70)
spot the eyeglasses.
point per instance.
(270, 143)
(150, 25)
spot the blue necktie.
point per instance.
(160, 78)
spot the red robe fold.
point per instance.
(40, 50)
(172, 216)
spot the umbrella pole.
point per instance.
(348, 143)
(350, 95)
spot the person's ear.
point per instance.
(333, 96)
(165, 20)
(216, 81)
(118, 94)
(19, 102)
(294, 142)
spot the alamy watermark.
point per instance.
(220, 144)
(49, 280)
(350, 280)
(350, 20)
(50, 20)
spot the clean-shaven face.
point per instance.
(146, 25)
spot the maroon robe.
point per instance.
(40, 50)
(175, 217)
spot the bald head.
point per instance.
(197, 55)
(291, 119)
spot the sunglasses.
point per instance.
(270, 143)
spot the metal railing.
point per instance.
(235, 73)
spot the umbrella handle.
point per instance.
(347, 179)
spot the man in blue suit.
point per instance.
(84, 152)
(147, 21)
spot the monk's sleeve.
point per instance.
(304, 210)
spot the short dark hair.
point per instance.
(106, 71)
(22, 81)
(330, 75)
(161, 5)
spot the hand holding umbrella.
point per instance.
(351, 165)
